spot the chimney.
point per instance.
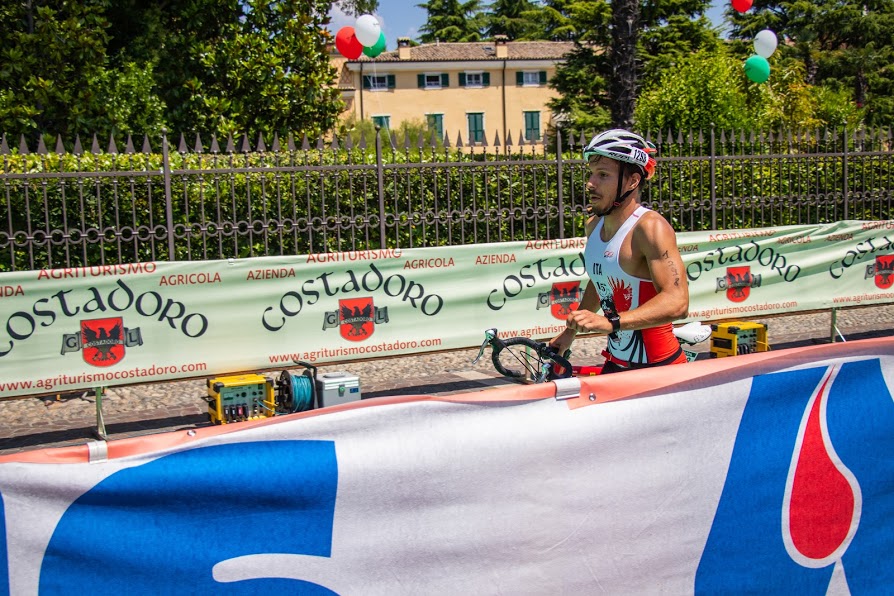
(502, 48)
(403, 48)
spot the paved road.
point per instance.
(32, 423)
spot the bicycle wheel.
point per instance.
(522, 357)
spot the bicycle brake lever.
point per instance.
(489, 336)
(480, 352)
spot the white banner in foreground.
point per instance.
(767, 473)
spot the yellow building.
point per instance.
(471, 90)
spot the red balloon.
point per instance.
(348, 44)
(742, 5)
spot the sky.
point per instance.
(402, 18)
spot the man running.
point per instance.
(636, 273)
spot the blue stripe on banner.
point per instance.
(744, 552)
(4, 552)
(861, 427)
(159, 528)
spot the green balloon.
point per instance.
(757, 69)
(376, 49)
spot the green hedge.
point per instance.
(98, 209)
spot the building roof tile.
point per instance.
(484, 50)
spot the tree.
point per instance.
(357, 7)
(673, 30)
(55, 77)
(451, 21)
(211, 66)
(509, 18)
(551, 20)
(582, 88)
(841, 44)
(268, 71)
(704, 88)
(617, 42)
(709, 88)
(623, 78)
(231, 66)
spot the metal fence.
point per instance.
(74, 207)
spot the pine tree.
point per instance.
(509, 18)
(617, 43)
(552, 20)
(451, 21)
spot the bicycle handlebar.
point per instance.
(541, 366)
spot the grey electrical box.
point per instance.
(335, 388)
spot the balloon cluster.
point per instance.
(757, 69)
(365, 37)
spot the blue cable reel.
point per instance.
(297, 392)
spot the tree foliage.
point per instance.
(209, 66)
(357, 7)
(452, 21)
(599, 83)
(842, 44)
(55, 74)
(552, 20)
(704, 89)
(509, 18)
(709, 88)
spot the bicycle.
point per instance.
(537, 359)
(540, 361)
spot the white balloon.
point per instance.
(367, 30)
(765, 43)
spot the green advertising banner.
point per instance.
(66, 329)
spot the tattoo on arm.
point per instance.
(673, 268)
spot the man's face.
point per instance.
(602, 185)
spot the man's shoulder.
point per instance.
(652, 220)
(653, 231)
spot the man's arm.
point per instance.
(655, 241)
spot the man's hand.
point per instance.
(562, 342)
(586, 321)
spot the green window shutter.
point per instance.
(462, 79)
(519, 78)
(532, 126)
(485, 79)
(420, 81)
(366, 83)
(543, 77)
(445, 80)
(391, 81)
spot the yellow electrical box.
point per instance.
(732, 339)
(240, 397)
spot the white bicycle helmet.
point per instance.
(623, 146)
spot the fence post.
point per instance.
(169, 203)
(380, 178)
(559, 186)
(713, 162)
(844, 183)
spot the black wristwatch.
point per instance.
(615, 319)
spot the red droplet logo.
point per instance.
(821, 509)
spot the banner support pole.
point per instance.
(834, 331)
(100, 421)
